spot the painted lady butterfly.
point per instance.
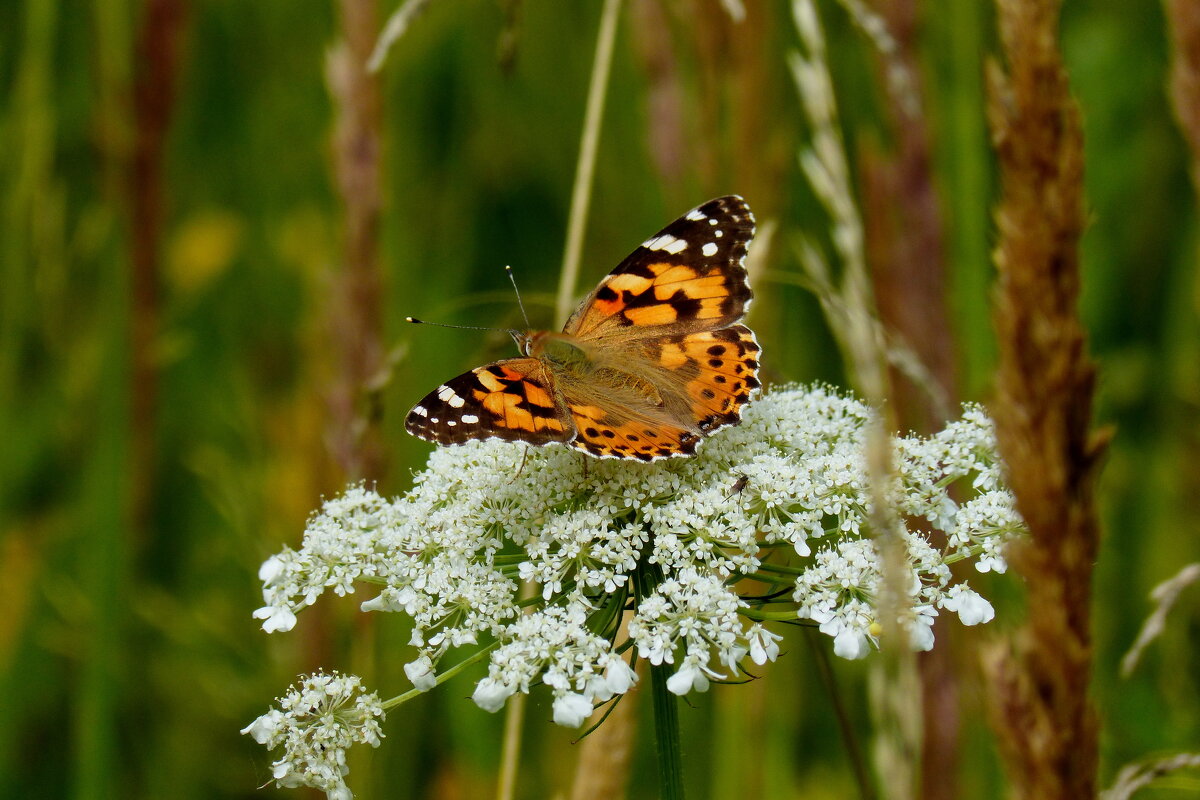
(651, 362)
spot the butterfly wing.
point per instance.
(689, 276)
(662, 403)
(512, 400)
(670, 363)
(610, 431)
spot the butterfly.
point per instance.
(651, 362)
